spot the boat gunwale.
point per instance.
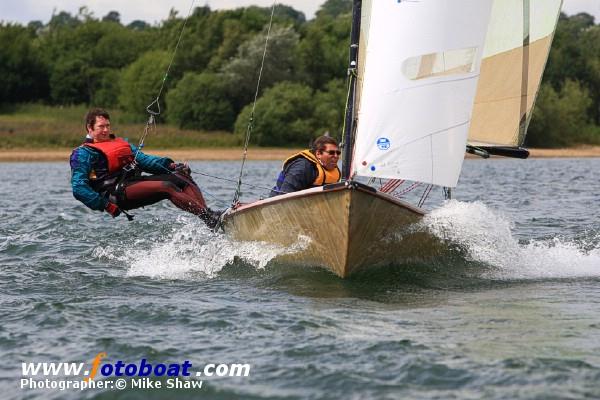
(347, 185)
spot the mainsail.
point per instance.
(515, 54)
(433, 73)
(418, 71)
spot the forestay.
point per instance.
(515, 55)
(418, 71)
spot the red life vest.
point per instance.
(117, 153)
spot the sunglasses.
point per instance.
(332, 152)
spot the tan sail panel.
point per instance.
(515, 53)
(497, 111)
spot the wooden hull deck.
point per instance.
(343, 227)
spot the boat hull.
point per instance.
(344, 227)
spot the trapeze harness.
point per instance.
(324, 177)
(129, 189)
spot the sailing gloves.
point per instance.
(180, 167)
(112, 209)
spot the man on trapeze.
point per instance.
(312, 167)
(106, 175)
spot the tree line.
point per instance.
(82, 59)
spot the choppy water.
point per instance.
(512, 311)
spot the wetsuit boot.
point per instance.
(211, 217)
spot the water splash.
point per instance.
(485, 236)
(192, 251)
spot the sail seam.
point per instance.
(434, 83)
(521, 96)
(435, 133)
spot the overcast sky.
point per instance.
(24, 11)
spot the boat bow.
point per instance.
(343, 227)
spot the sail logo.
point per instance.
(383, 143)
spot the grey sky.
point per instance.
(24, 11)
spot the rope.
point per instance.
(204, 191)
(150, 125)
(233, 180)
(238, 192)
(408, 189)
(391, 185)
(425, 195)
(215, 198)
(153, 113)
(153, 109)
(165, 77)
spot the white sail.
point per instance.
(515, 55)
(420, 64)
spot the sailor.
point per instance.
(105, 178)
(316, 166)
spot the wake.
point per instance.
(485, 236)
(190, 251)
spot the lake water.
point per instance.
(512, 311)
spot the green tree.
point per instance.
(87, 51)
(335, 8)
(69, 81)
(242, 71)
(199, 102)
(590, 44)
(560, 117)
(118, 48)
(212, 38)
(566, 60)
(323, 51)
(288, 14)
(105, 88)
(85, 14)
(141, 81)
(63, 19)
(330, 105)
(23, 75)
(575, 56)
(284, 116)
(138, 25)
(36, 26)
(112, 16)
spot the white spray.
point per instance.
(487, 237)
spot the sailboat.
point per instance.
(428, 82)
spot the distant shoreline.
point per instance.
(206, 154)
(232, 154)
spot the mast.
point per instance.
(347, 140)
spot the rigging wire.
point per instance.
(153, 109)
(447, 193)
(238, 192)
(352, 74)
(233, 180)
